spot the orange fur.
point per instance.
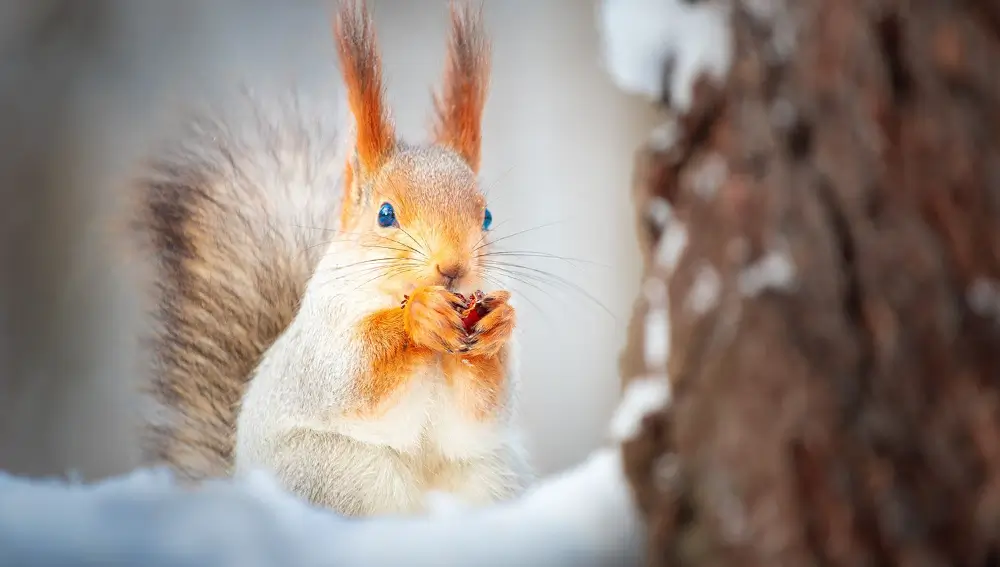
(398, 341)
(459, 105)
(447, 230)
(393, 358)
(478, 373)
(361, 67)
(432, 320)
(348, 189)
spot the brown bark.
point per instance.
(847, 414)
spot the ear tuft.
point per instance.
(459, 104)
(361, 67)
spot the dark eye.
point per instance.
(487, 220)
(386, 216)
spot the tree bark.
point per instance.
(835, 307)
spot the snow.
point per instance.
(656, 344)
(777, 17)
(663, 137)
(443, 503)
(763, 10)
(659, 211)
(643, 395)
(639, 37)
(983, 298)
(672, 245)
(709, 175)
(666, 472)
(583, 517)
(774, 271)
(705, 290)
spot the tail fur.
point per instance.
(236, 212)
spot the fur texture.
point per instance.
(234, 211)
(300, 335)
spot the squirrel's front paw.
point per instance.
(432, 319)
(493, 331)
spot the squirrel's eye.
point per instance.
(487, 219)
(386, 216)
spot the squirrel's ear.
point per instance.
(459, 103)
(361, 66)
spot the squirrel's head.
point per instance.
(418, 210)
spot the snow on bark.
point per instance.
(583, 517)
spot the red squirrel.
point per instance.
(337, 360)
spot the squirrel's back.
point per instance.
(236, 211)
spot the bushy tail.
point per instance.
(235, 213)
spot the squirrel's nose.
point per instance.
(452, 271)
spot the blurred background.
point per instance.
(86, 86)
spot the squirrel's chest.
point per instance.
(446, 409)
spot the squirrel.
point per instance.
(337, 360)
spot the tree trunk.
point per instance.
(832, 267)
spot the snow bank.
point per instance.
(583, 517)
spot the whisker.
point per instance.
(376, 246)
(530, 281)
(500, 284)
(392, 272)
(379, 264)
(414, 241)
(487, 233)
(518, 278)
(371, 261)
(317, 245)
(371, 246)
(348, 233)
(533, 254)
(518, 233)
(324, 229)
(556, 278)
(402, 244)
(355, 274)
(331, 241)
(486, 190)
(523, 294)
